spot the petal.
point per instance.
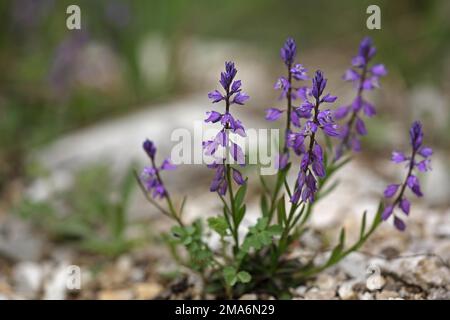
(329, 98)
(399, 224)
(390, 190)
(168, 165)
(341, 112)
(273, 114)
(379, 70)
(398, 157)
(387, 212)
(405, 205)
(426, 152)
(360, 127)
(215, 96)
(237, 176)
(213, 116)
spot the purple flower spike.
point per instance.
(288, 51)
(150, 176)
(230, 125)
(411, 181)
(364, 77)
(312, 164)
(150, 148)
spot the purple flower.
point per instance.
(299, 72)
(364, 78)
(416, 135)
(150, 177)
(149, 148)
(237, 176)
(288, 51)
(273, 114)
(391, 190)
(215, 96)
(240, 98)
(312, 164)
(411, 181)
(230, 125)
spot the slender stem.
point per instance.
(355, 112)
(410, 169)
(289, 107)
(230, 185)
(167, 196)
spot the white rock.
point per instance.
(55, 287)
(375, 282)
(28, 278)
(346, 292)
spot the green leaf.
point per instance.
(342, 237)
(229, 274)
(244, 277)
(240, 195)
(363, 225)
(264, 206)
(241, 214)
(261, 224)
(275, 229)
(219, 225)
(281, 211)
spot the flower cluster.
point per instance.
(364, 77)
(411, 181)
(150, 177)
(285, 84)
(233, 95)
(312, 163)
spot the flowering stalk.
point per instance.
(364, 77)
(224, 172)
(411, 181)
(312, 164)
(152, 184)
(294, 72)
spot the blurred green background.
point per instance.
(44, 92)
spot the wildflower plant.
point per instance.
(315, 146)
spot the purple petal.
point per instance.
(399, 224)
(215, 96)
(213, 116)
(237, 176)
(361, 127)
(240, 98)
(235, 86)
(369, 109)
(398, 157)
(341, 112)
(405, 205)
(423, 165)
(379, 70)
(329, 98)
(390, 190)
(414, 184)
(426, 152)
(168, 165)
(350, 75)
(273, 114)
(387, 212)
